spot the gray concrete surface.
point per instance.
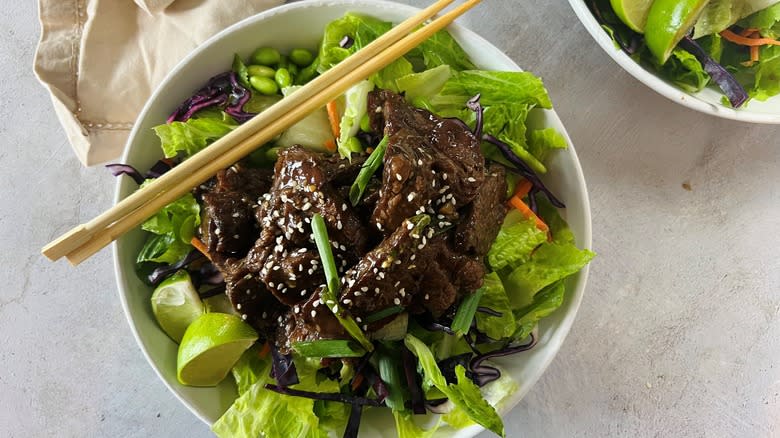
(677, 335)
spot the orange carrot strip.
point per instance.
(745, 41)
(748, 32)
(523, 188)
(357, 381)
(265, 350)
(331, 145)
(333, 116)
(754, 52)
(200, 246)
(527, 212)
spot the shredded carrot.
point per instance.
(748, 32)
(333, 116)
(265, 350)
(754, 53)
(200, 246)
(523, 188)
(527, 212)
(357, 381)
(745, 41)
(330, 145)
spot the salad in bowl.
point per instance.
(400, 256)
(716, 56)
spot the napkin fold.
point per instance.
(101, 59)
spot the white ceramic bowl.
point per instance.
(300, 25)
(707, 101)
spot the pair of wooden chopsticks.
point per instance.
(85, 240)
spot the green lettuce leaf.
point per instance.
(356, 106)
(464, 394)
(544, 303)
(718, 15)
(543, 141)
(388, 77)
(173, 228)
(250, 369)
(407, 428)
(516, 239)
(494, 297)
(193, 135)
(262, 412)
(551, 262)
(685, 70)
(767, 79)
(362, 29)
(766, 21)
(495, 87)
(442, 49)
(424, 84)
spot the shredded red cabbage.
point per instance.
(347, 42)
(484, 374)
(118, 169)
(489, 311)
(522, 169)
(222, 90)
(327, 396)
(413, 383)
(733, 90)
(214, 291)
(162, 272)
(353, 425)
(474, 105)
(283, 368)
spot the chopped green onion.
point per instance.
(382, 314)
(367, 171)
(328, 348)
(465, 315)
(331, 292)
(392, 373)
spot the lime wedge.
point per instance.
(175, 304)
(632, 12)
(667, 23)
(212, 344)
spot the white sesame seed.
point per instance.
(303, 293)
(342, 247)
(238, 306)
(217, 231)
(339, 225)
(379, 226)
(271, 284)
(409, 226)
(306, 206)
(236, 214)
(414, 256)
(264, 315)
(402, 292)
(313, 313)
(358, 293)
(396, 284)
(397, 301)
(358, 319)
(346, 301)
(419, 162)
(427, 296)
(444, 176)
(411, 196)
(376, 290)
(471, 179)
(244, 316)
(398, 177)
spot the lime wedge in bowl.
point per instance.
(632, 12)
(667, 23)
(176, 304)
(211, 346)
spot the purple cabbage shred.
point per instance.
(347, 42)
(413, 382)
(353, 424)
(327, 396)
(474, 105)
(283, 368)
(483, 373)
(223, 91)
(733, 90)
(163, 272)
(126, 169)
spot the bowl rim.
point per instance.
(657, 84)
(584, 238)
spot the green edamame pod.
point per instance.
(266, 56)
(283, 78)
(260, 70)
(264, 85)
(301, 57)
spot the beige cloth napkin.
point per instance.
(101, 59)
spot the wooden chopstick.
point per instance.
(87, 239)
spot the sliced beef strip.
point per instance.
(431, 164)
(482, 219)
(228, 226)
(285, 256)
(256, 305)
(309, 321)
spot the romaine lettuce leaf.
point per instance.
(766, 21)
(356, 106)
(387, 77)
(516, 239)
(173, 228)
(464, 394)
(362, 30)
(495, 87)
(542, 141)
(718, 15)
(494, 297)
(442, 49)
(250, 369)
(551, 262)
(193, 135)
(767, 79)
(424, 84)
(544, 303)
(407, 428)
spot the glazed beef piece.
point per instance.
(431, 164)
(228, 227)
(309, 321)
(482, 219)
(250, 298)
(285, 257)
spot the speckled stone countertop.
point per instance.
(677, 334)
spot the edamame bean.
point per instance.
(283, 78)
(301, 57)
(264, 85)
(266, 56)
(260, 70)
(293, 69)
